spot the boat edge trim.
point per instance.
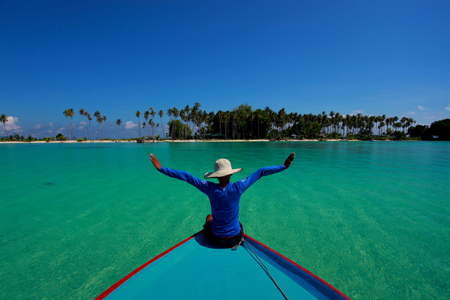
(300, 267)
(123, 280)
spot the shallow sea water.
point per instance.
(370, 218)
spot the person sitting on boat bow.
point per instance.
(222, 226)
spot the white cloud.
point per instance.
(411, 112)
(357, 111)
(429, 116)
(130, 124)
(83, 123)
(448, 107)
(41, 129)
(421, 107)
(12, 125)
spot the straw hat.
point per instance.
(222, 167)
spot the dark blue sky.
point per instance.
(374, 57)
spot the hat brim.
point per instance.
(222, 173)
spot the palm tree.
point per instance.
(382, 121)
(323, 120)
(143, 125)
(252, 118)
(206, 120)
(226, 118)
(219, 116)
(211, 116)
(152, 124)
(66, 114)
(339, 119)
(104, 125)
(182, 117)
(99, 117)
(88, 115)
(259, 117)
(409, 122)
(119, 122)
(187, 117)
(405, 123)
(282, 119)
(271, 115)
(161, 114)
(138, 115)
(169, 113)
(381, 126)
(233, 118)
(175, 114)
(146, 116)
(82, 114)
(196, 113)
(99, 121)
(71, 114)
(4, 119)
(153, 114)
(238, 118)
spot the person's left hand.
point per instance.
(155, 162)
(289, 160)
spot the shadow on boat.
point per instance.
(202, 241)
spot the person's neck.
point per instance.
(223, 182)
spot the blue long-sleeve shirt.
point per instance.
(224, 200)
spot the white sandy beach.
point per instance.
(170, 141)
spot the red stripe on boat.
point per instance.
(297, 265)
(120, 282)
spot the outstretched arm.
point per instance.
(202, 185)
(155, 162)
(246, 183)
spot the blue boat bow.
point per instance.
(196, 269)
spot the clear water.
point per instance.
(371, 218)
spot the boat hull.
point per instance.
(195, 269)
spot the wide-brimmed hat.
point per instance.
(222, 168)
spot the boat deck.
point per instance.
(195, 269)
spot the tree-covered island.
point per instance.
(244, 123)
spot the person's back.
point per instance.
(222, 226)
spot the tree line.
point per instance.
(245, 123)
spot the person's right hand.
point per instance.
(155, 162)
(289, 160)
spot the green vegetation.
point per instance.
(417, 131)
(4, 119)
(180, 130)
(245, 123)
(60, 137)
(439, 130)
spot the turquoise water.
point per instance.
(371, 218)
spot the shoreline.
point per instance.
(193, 141)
